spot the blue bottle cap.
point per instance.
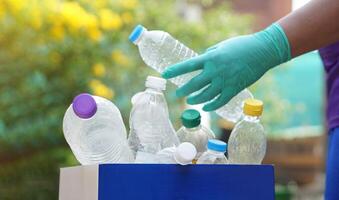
(216, 145)
(136, 33)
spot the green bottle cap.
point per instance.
(190, 118)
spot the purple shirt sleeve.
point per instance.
(330, 57)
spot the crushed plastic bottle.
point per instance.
(159, 49)
(215, 153)
(192, 131)
(94, 130)
(247, 143)
(150, 127)
(183, 154)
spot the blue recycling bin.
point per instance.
(167, 182)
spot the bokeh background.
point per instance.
(52, 50)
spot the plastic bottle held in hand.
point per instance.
(158, 49)
(183, 154)
(192, 131)
(247, 143)
(150, 127)
(215, 153)
(94, 130)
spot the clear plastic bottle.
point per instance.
(158, 49)
(215, 153)
(150, 127)
(192, 131)
(247, 143)
(183, 154)
(94, 130)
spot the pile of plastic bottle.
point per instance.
(94, 129)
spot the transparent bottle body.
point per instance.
(159, 50)
(247, 143)
(212, 157)
(198, 136)
(99, 139)
(150, 127)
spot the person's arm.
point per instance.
(313, 26)
(234, 64)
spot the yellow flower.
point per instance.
(72, 14)
(127, 17)
(109, 20)
(90, 21)
(2, 9)
(100, 89)
(50, 5)
(119, 58)
(15, 6)
(129, 4)
(57, 32)
(94, 34)
(2, 13)
(36, 18)
(100, 3)
(98, 69)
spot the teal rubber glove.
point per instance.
(231, 66)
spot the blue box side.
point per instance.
(192, 182)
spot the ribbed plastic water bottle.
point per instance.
(192, 131)
(247, 143)
(183, 154)
(150, 127)
(215, 153)
(158, 49)
(94, 130)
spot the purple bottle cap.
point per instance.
(84, 106)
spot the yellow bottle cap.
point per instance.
(253, 107)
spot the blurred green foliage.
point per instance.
(51, 50)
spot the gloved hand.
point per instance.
(231, 66)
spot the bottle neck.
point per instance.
(251, 118)
(154, 90)
(194, 128)
(215, 152)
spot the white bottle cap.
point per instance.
(185, 153)
(155, 82)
